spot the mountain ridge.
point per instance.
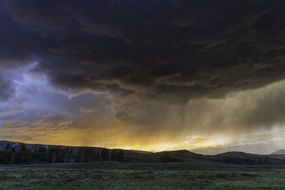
(280, 151)
(24, 153)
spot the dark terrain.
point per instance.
(47, 167)
(21, 153)
(111, 175)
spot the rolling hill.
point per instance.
(22, 153)
(281, 151)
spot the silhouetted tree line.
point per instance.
(18, 153)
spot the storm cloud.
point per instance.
(174, 48)
(135, 63)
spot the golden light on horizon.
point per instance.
(116, 137)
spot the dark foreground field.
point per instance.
(115, 175)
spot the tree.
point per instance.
(105, 154)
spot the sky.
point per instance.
(206, 76)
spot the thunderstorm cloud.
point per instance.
(159, 74)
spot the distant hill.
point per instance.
(281, 151)
(280, 154)
(246, 158)
(178, 155)
(22, 153)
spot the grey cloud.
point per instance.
(229, 119)
(6, 89)
(162, 66)
(212, 48)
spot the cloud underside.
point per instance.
(182, 72)
(177, 49)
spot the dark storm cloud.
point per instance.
(160, 48)
(5, 90)
(6, 85)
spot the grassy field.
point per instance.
(157, 176)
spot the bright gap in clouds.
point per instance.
(30, 90)
(36, 109)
